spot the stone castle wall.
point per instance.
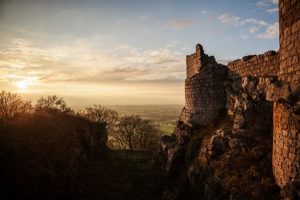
(205, 99)
(196, 61)
(274, 76)
(250, 79)
(266, 64)
(289, 22)
(193, 63)
(286, 140)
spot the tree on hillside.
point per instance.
(12, 105)
(148, 134)
(127, 131)
(53, 104)
(136, 133)
(101, 114)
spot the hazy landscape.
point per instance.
(164, 115)
(150, 100)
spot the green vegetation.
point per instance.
(167, 129)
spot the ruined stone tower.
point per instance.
(204, 101)
(286, 138)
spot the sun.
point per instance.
(22, 85)
(25, 83)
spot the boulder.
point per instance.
(218, 144)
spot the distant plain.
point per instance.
(164, 115)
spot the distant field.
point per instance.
(165, 115)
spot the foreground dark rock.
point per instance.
(54, 155)
(43, 154)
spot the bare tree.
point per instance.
(127, 131)
(136, 133)
(53, 104)
(148, 135)
(12, 105)
(99, 113)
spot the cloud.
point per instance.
(253, 21)
(272, 10)
(228, 19)
(251, 27)
(268, 5)
(271, 32)
(245, 37)
(77, 61)
(182, 24)
(122, 73)
(237, 21)
(173, 44)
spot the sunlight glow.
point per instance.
(22, 85)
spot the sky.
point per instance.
(123, 51)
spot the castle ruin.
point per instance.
(270, 80)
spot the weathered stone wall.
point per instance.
(285, 65)
(286, 142)
(286, 136)
(249, 80)
(289, 19)
(196, 61)
(266, 64)
(205, 96)
(193, 62)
